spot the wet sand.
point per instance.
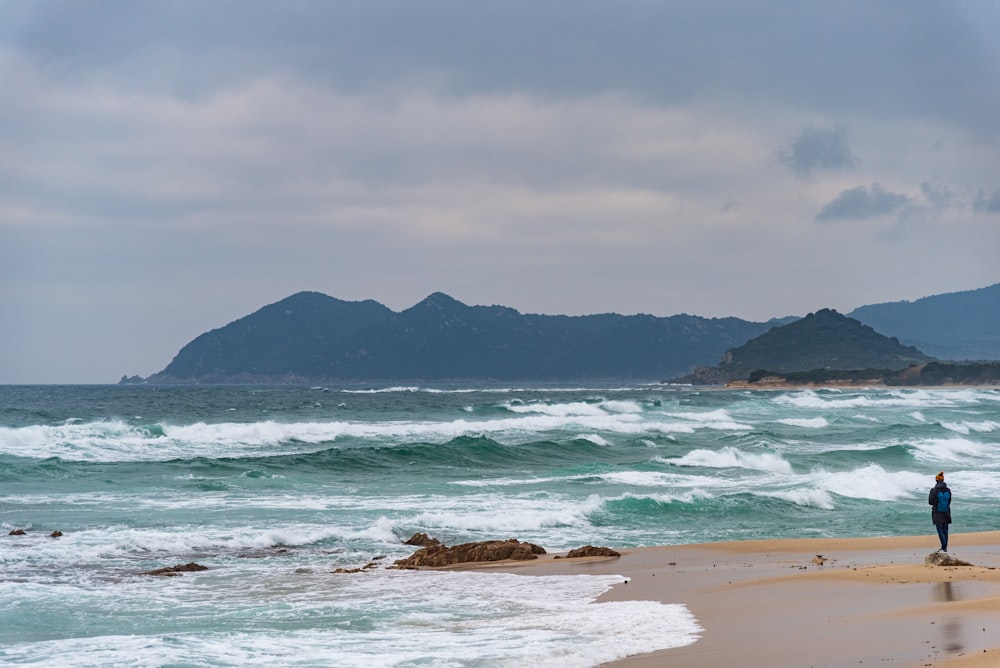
(814, 602)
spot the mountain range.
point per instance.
(311, 337)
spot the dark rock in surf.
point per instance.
(421, 540)
(17, 532)
(55, 534)
(173, 571)
(367, 567)
(435, 556)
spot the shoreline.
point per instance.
(786, 385)
(790, 603)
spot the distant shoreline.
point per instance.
(784, 385)
(928, 374)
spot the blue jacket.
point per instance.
(936, 516)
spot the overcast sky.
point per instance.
(168, 167)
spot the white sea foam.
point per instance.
(511, 482)
(631, 478)
(805, 423)
(730, 457)
(954, 450)
(495, 390)
(593, 438)
(681, 496)
(576, 408)
(983, 427)
(717, 419)
(621, 406)
(410, 618)
(507, 518)
(803, 496)
(811, 399)
(640, 478)
(119, 547)
(869, 482)
(118, 441)
(384, 390)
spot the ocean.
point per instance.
(273, 488)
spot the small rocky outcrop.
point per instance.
(367, 567)
(17, 532)
(944, 559)
(421, 540)
(173, 571)
(434, 556)
(370, 565)
(591, 551)
(56, 534)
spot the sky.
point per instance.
(169, 167)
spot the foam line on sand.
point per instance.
(815, 602)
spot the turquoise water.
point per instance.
(273, 488)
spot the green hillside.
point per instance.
(954, 326)
(824, 340)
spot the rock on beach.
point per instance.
(437, 555)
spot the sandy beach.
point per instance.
(815, 602)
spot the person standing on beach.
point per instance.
(940, 502)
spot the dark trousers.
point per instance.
(942, 530)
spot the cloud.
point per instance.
(939, 197)
(819, 148)
(862, 202)
(499, 152)
(899, 61)
(987, 204)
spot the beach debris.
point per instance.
(56, 534)
(17, 532)
(590, 551)
(173, 571)
(944, 559)
(819, 560)
(478, 552)
(421, 540)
